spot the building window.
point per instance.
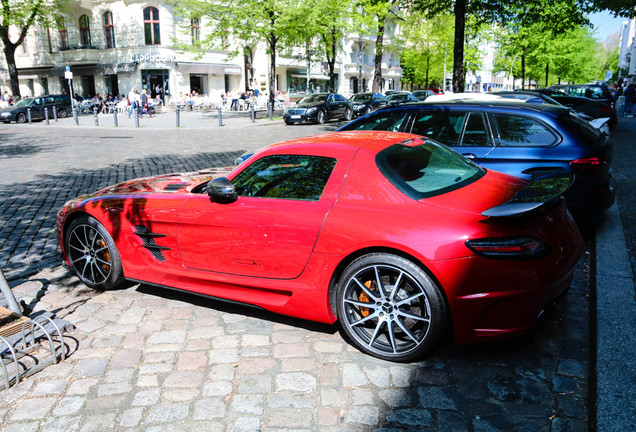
(109, 30)
(85, 31)
(151, 26)
(61, 28)
(196, 30)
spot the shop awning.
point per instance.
(34, 72)
(209, 68)
(96, 69)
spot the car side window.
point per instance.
(50, 100)
(340, 98)
(476, 132)
(37, 101)
(442, 126)
(520, 131)
(330, 99)
(296, 177)
(392, 120)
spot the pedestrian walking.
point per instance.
(629, 93)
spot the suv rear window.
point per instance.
(426, 170)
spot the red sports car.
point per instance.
(393, 235)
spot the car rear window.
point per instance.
(426, 170)
(521, 131)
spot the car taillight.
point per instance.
(509, 248)
(607, 109)
(591, 165)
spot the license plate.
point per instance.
(296, 117)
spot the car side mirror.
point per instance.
(221, 190)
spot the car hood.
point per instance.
(308, 104)
(8, 109)
(168, 183)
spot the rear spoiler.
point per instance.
(541, 193)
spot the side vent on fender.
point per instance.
(148, 238)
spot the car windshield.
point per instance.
(361, 98)
(426, 170)
(23, 102)
(314, 98)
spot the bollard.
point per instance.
(253, 113)
(271, 112)
(115, 118)
(55, 113)
(76, 117)
(136, 117)
(178, 112)
(29, 114)
(46, 114)
(95, 115)
(220, 117)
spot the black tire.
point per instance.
(367, 111)
(61, 113)
(92, 254)
(348, 115)
(20, 118)
(289, 123)
(380, 319)
(320, 117)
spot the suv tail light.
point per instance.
(607, 109)
(509, 248)
(588, 166)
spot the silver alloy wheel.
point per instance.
(20, 118)
(386, 311)
(320, 117)
(348, 114)
(89, 254)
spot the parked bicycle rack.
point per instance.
(27, 344)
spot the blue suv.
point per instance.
(519, 139)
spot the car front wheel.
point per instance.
(390, 308)
(320, 117)
(61, 113)
(92, 254)
(20, 118)
(348, 114)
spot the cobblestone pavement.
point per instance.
(155, 360)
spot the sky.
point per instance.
(605, 24)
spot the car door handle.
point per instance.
(469, 156)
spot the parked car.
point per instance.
(364, 103)
(423, 94)
(597, 92)
(530, 96)
(592, 107)
(518, 139)
(400, 98)
(301, 229)
(318, 108)
(19, 111)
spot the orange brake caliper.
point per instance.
(105, 266)
(364, 311)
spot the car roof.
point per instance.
(493, 105)
(339, 143)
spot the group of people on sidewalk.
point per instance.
(141, 103)
(629, 93)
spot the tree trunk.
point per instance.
(379, 51)
(248, 59)
(547, 73)
(459, 79)
(428, 60)
(331, 62)
(272, 68)
(9, 56)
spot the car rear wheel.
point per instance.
(61, 113)
(20, 118)
(320, 117)
(92, 254)
(348, 114)
(390, 308)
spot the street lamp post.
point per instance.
(360, 90)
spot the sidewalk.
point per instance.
(616, 328)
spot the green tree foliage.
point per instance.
(17, 17)
(558, 15)
(276, 22)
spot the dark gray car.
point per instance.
(19, 113)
